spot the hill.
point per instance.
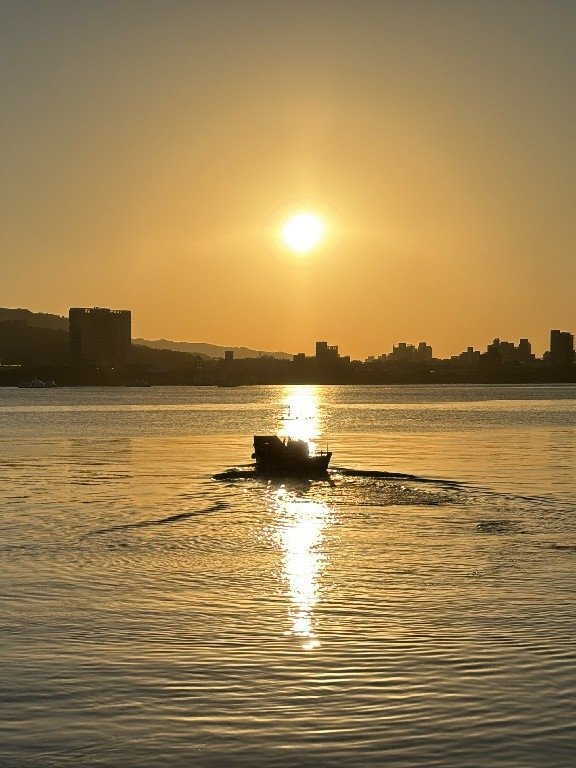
(208, 350)
(35, 319)
(28, 345)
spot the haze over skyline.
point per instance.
(151, 151)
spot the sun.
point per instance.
(303, 232)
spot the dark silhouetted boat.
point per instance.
(138, 383)
(288, 458)
(37, 384)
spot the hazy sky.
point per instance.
(149, 149)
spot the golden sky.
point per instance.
(150, 151)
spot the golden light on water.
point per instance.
(301, 418)
(300, 534)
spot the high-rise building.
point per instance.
(402, 353)
(423, 352)
(100, 336)
(325, 353)
(525, 352)
(561, 349)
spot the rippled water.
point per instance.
(416, 608)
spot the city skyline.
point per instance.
(267, 173)
(560, 352)
(103, 334)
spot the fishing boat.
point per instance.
(138, 383)
(288, 458)
(37, 384)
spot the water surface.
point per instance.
(417, 608)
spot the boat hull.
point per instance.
(314, 466)
(291, 458)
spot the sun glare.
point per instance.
(303, 232)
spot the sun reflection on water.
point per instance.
(301, 419)
(300, 533)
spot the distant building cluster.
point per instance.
(406, 353)
(560, 355)
(326, 358)
(498, 353)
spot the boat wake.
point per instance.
(343, 486)
(381, 475)
(249, 472)
(160, 521)
(350, 488)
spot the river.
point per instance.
(163, 606)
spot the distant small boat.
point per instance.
(288, 458)
(138, 383)
(37, 384)
(228, 383)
